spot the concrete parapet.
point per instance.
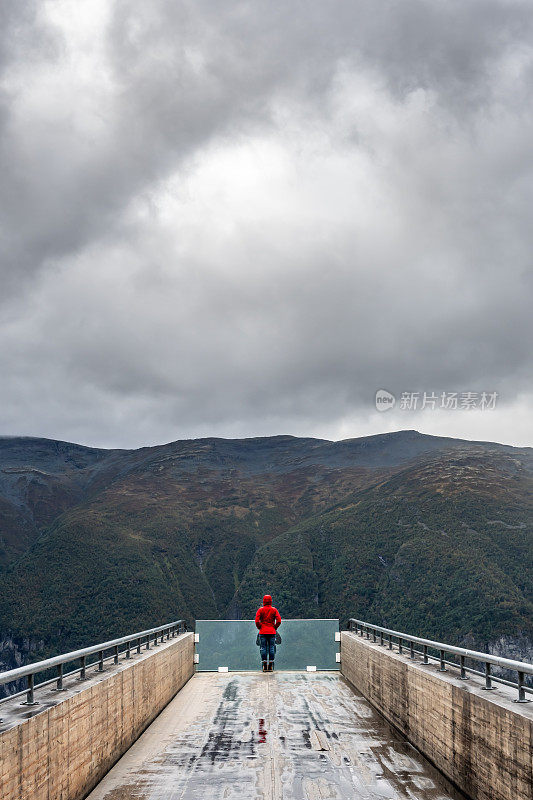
(60, 749)
(480, 740)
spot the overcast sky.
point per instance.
(244, 218)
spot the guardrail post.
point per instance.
(59, 682)
(100, 661)
(390, 642)
(442, 667)
(30, 694)
(115, 654)
(156, 643)
(425, 652)
(412, 650)
(381, 638)
(400, 646)
(374, 634)
(83, 669)
(148, 642)
(521, 691)
(488, 677)
(464, 676)
(367, 632)
(138, 644)
(128, 649)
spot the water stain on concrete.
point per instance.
(281, 736)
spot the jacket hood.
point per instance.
(267, 600)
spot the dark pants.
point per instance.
(267, 646)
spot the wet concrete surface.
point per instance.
(296, 736)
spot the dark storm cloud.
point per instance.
(247, 217)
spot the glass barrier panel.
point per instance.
(232, 644)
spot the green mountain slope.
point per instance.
(443, 549)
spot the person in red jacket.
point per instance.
(267, 620)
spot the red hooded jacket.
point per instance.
(267, 618)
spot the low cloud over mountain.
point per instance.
(246, 218)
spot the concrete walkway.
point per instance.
(296, 736)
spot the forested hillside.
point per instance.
(423, 533)
(444, 549)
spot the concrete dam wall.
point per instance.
(480, 740)
(62, 748)
(320, 731)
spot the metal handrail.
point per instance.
(170, 630)
(520, 667)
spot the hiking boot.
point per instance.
(270, 666)
(265, 666)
